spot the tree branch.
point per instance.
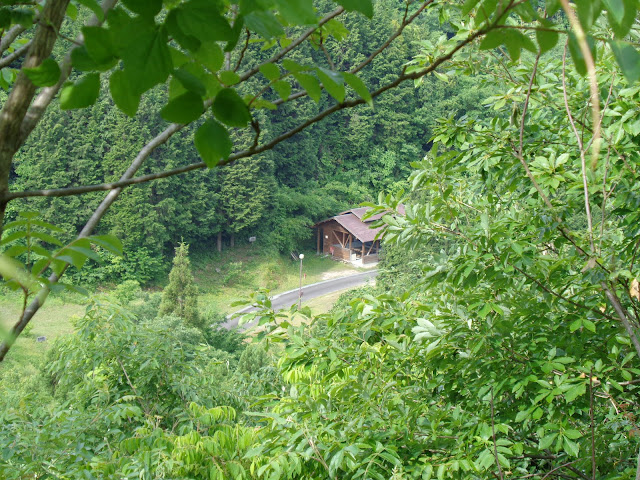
(370, 58)
(23, 91)
(622, 315)
(593, 79)
(583, 161)
(8, 38)
(292, 45)
(130, 180)
(42, 101)
(9, 59)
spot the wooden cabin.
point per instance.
(348, 237)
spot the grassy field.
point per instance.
(224, 279)
(53, 320)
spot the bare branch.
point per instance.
(19, 52)
(23, 91)
(526, 103)
(292, 45)
(42, 101)
(243, 51)
(583, 161)
(377, 52)
(129, 180)
(593, 78)
(493, 434)
(622, 316)
(8, 38)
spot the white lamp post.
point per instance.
(300, 289)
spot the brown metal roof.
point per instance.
(360, 212)
(352, 221)
(357, 227)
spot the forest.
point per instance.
(494, 142)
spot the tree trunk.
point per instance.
(232, 240)
(219, 241)
(16, 106)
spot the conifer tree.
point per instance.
(180, 297)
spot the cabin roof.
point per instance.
(351, 220)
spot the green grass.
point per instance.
(234, 274)
(51, 321)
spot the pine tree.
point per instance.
(180, 297)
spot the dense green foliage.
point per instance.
(180, 297)
(276, 196)
(502, 340)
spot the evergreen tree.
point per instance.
(180, 298)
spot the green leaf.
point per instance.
(575, 325)
(546, 441)
(493, 39)
(576, 53)
(294, 67)
(283, 88)
(201, 19)
(333, 83)
(468, 5)
(363, 6)
(615, 9)
(122, 93)
(571, 447)
(80, 94)
(94, 6)
(183, 109)
(213, 143)
(575, 392)
(211, 56)
(45, 237)
(229, 77)
(628, 58)
(360, 88)
(230, 109)
(183, 38)
(270, 71)
(297, 12)
(264, 24)
(589, 325)
(622, 26)
(99, 45)
(310, 84)
(190, 82)
(44, 75)
(111, 243)
(72, 11)
(146, 8)
(546, 40)
(147, 61)
(588, 12)
(81, 60)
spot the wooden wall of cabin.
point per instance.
(328, 229)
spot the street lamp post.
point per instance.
(300, 289)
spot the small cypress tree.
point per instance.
(180, 297)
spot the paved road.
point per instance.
(286, 299)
